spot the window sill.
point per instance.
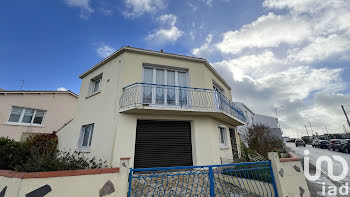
(23, 124)
(93, 94)
(83, 150)
(222, 147)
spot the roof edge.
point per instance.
(156, 53)
(38, 92)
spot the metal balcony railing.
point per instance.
(180, 97)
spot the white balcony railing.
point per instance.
(169, 97)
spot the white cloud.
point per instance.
(61, 89)
(194, 8)
(104, 50)
(168, 19)
(84, 5)
(267, 31)
(136, 8)
(322, 48)
(168, 33)
(282, 59)
(251, 65)
(207, 2)
(302, 6)
(206, 49)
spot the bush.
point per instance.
(261, 140)
(40, 153)
(62, 161)
(12, 153)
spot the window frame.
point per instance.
(92, 85)
(20, 120)
(166, 69)
(81, 138)
(223, 137)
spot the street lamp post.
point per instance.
(346, 115)
(276, 108)
(309, 124)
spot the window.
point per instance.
(95, 84)
(86, 136)
(161, 95)
(28, 116)
(223, 137)
(218, 88)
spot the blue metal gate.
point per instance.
(238, 179)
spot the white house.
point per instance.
(270, 122)
(156, 108)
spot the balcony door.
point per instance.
(162, 86)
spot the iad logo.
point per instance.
(329, 162)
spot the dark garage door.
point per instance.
(163, 144)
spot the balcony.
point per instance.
(150, 98)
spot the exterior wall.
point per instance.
(266, 120)
(204, 132)
(100, 109)
(199, 75)
(114, 132)
(90, 185)
(60, 109)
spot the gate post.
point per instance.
(123, 177)
(211, 181)
(275, 166)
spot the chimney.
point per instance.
(161, 51)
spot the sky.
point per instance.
(290, 53)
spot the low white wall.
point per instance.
(105, 184)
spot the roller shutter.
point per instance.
(163, 144)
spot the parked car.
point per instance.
(299, 142)
(344, 146)
(314, 143)
(333, 144)
(323, 144)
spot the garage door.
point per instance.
(163, 144)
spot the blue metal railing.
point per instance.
(239, 179)
(168, 96)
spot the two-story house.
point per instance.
(25, 113)
(156, 108)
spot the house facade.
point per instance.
(23, 113)
(158, 109)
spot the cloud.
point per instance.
(267, 31)
(282, 58)
(168, 33)
(136, 8)
(104, 50)
(256, 65)
(304, 6)
(84, 5)
(207, 2)
(323, 48)
(61, 89)
(206, 49)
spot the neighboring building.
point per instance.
(270, 122)
(23, 113)
(156, 108)
(249, 114)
